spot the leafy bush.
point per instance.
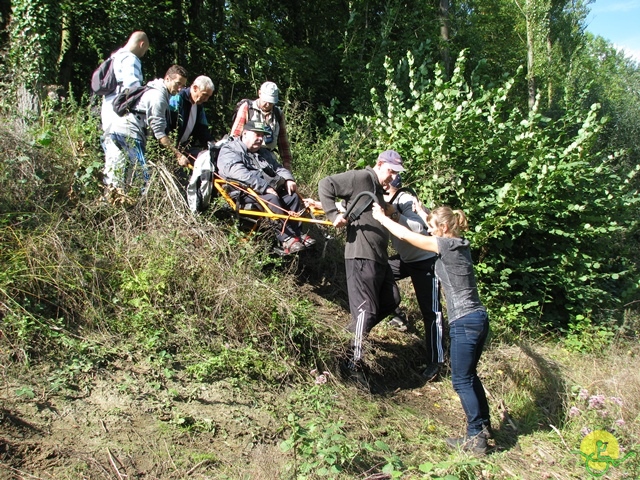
(547, 209)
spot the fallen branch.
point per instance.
(112, 460)
(561, 438)
(198, 465)
(505, 415)
(166, 447)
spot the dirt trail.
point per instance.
(123, 426)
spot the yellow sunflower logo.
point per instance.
(600, 451)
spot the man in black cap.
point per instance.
(245, 160)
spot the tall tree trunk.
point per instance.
(5, 13)
(550, 77)
(34, 48)
(531, 39)
(444, 36)
(68, 48)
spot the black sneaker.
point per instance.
(355, 374)
(397, 324)
(430, 374)
(399, 321)
(476, 445)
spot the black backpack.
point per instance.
(277, 111)
(126, 101)
(103, 79)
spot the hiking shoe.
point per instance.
(399, 321)
(397, 324)
(307, 240)
(477, 444)
(292, 245)
(354, 373)
(432, 371)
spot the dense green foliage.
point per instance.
(545, 204)
(550, 188)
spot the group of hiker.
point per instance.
(429, 244)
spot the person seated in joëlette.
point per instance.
(244, 160)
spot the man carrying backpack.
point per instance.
(189, 118)
(129, 132)
(265, 111)
(127, 69)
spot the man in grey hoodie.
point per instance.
(129, 132)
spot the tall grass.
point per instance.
(146, 279)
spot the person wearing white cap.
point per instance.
(373, 294)
(264, 109)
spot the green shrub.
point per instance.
(547, 209)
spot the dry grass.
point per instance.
(137, 297)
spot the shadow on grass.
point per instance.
(542, 382)
(397, 365)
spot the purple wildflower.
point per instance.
(620, 422)
(617, 400)
(596, 401)
(584, 394)
(574, 412)
(321, 379)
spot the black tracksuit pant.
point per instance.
(373, 295)
(427, 288)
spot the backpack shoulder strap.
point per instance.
(277, 113)
(353, 212)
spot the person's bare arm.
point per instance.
(416, 239)
(183, 161)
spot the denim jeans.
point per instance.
(468, 335)
(125, 163)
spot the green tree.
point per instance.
(34, 33)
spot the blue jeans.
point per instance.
(468, 335)
(128, 164)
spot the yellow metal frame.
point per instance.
(308, 216)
